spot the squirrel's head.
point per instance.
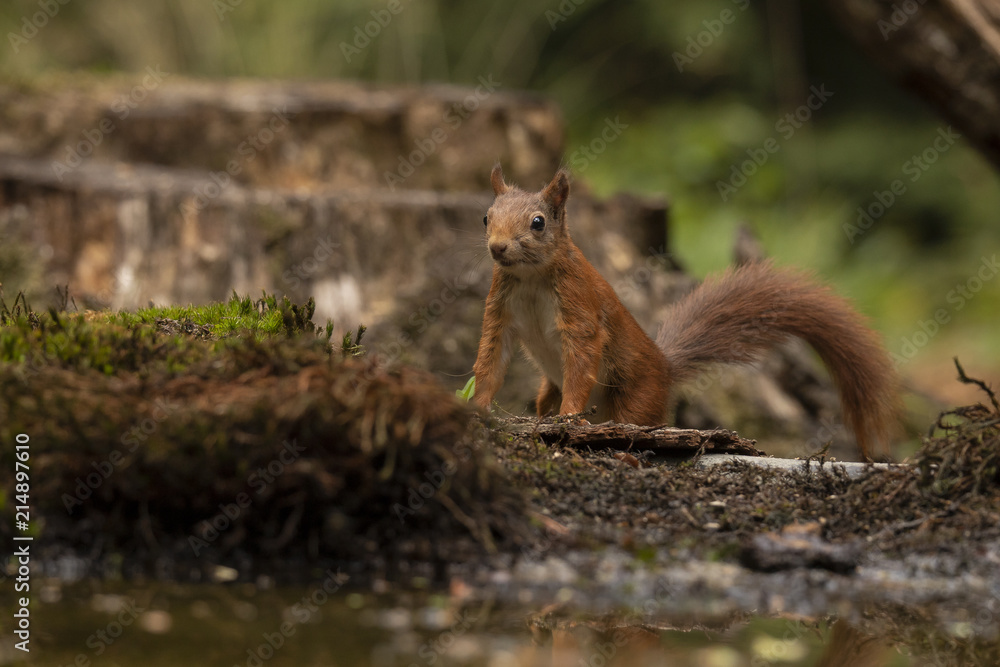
(524, 229)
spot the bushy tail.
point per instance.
(747, 310)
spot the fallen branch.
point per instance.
(660, 439)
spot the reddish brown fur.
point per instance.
(547, 295)
(747, 310)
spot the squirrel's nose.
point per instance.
(498, 250)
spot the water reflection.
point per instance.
(96, 623)
(745, 641)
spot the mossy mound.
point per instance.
(963, 457)
(208, 449)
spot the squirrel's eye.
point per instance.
(538, 223)
(484, 221)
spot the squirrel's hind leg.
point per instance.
(549, 398)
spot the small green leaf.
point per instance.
(468, 391)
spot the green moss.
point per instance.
(239, 315)
(168, 339)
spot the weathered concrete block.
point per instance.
(299, 135)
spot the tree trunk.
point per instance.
(946, 51)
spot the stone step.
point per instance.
(296, 135)
(410, 264)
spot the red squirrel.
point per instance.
(591, 351)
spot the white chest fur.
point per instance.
(533, 316)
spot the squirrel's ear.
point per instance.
(557, 192)
(496, 180)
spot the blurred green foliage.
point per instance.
(698, 84)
